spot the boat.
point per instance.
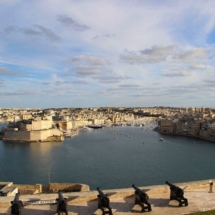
(161, 139)
(94, 126)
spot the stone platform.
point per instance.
(122, 201)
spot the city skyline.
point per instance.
(107, 53)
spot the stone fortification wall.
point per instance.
(68, 125)
(150, 190)
(24, 189)
(153, 191)
(17, 135)
(54, 187)
(118, 193)
(80, 123)
(98, 121)
(38, 135)
(42, 135)
(65, 125)
(41, 124)
(54, 132)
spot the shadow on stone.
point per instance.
(159, 202)
(36, 210)
(90, 208)
(163, 203)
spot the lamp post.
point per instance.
(210, 186)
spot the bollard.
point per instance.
(210, 186)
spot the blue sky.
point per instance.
(92, 53)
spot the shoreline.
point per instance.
(73, 132)
(184, 135)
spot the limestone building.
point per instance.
(32, 130)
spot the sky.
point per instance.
(102, 53)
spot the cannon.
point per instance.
(16, 205)
(141, 198)
(104, 203)
(61, 204)
(176, 193)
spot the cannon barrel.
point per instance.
(61, 203)
(142, 195)
(16, 205)
(104, 203)
(174, 187)
(60, 196)
(61, 200)
(138, 191)
(136, 188)
(171, 185)
(102, 195)
(177, 190)
(16, 199)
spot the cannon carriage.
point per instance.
(104, 203)
(142, 198)
(176, 193)
(61, 204)
(16, 205)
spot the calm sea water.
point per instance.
(109, 159)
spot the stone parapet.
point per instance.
(24, 189)
(113, 194)
(67, 187)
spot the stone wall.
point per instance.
(202, 186)
(17, 135)
(166, 126)
(54, 187)
(41, 124)
(65, 125)
(24, 189)
(80, 123)
(31, 135)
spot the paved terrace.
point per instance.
(122, 201)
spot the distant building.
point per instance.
(166, 126)
(32, 130)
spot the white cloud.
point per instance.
(83, 70)
(201, 67)
(195, 54)
(158, 54)
(87, 60)
(107, 79)
(36, 31)
(162, 42)
(176, 74)
(69, 22)
(7, 72)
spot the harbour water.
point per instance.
(109, 158)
